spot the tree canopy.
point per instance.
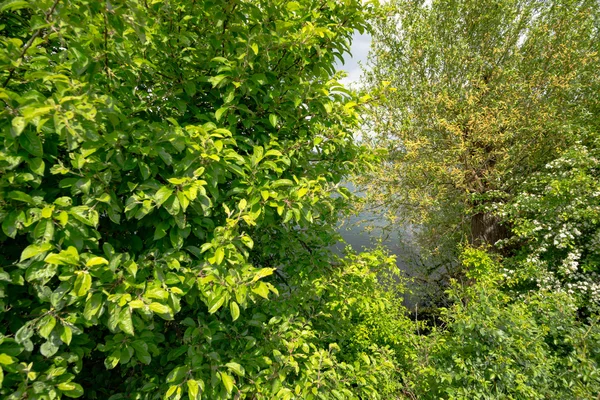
(473, 97)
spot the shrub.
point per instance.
(159, 162)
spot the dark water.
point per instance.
(368, 230)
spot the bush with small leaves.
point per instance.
(496, 346)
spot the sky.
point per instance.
(360, 50)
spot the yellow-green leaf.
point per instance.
(234, 309)
(34, 250)
(216, 303)
(83, 283)
(193, 391)
(228, 381)
(92, 262)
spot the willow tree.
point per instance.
(471, 97)
(166, 169)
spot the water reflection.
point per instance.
(367, 230)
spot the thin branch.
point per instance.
(30, 42)
(106, 42)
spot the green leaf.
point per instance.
(156, 293)
(5, 359)
(190, 88)
(18, 124)
(11, 347)
(247, 240)
(40, 271)
(193, 390)
(131, 267)
(63, 218)
(125, 322)
(172, 389)
(227, 380)
(70, 389)
(236, 368)
(34, 250)
(159, 308)
(44, 230)
(301, 192)
(234, 309)
(141, 351)
(176, 238)
(63, 201)
(92, 306)
(162, 195)
(172, 205)
(69, 256)
(177, 374)
(216, 303)
(254, 48)
(94, 261)
(281, 182)
(219, 255)
(20, 196)
(293, 6)
(166, 157)
(273, 152)
(11, 223)
(262, 290)
(66, 334)
(49, 348)
(13, 5)
(83, 283)
(46, 325)
(31, 143)
(144, 170)
(263, 272)
(216, 80)
(24, 333)
(219, 113)
(273, 120)
(160, 231)
(112, 361)
(37, 166)
(47, 211)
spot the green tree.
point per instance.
(471, 97)
(166, 169)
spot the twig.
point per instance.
(106, 42)
(30, 42)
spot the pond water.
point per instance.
(367, 230)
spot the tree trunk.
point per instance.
(487, 229)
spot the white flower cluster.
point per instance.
(570, 264)
(588, 284)
(565, 236)
(557, 218)
(549, 281)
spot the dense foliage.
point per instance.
(473, 97)
(167, 171)
(496, 346)
(171, 173)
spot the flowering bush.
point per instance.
(555, 219)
